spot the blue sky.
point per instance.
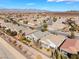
(52, 5)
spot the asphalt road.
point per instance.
(8, 52)
(4, 53)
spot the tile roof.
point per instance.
(53, 39)
(71, 46)
(38, 34)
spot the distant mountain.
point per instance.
(23, 10)
(72, 11)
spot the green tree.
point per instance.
(57, 54)
(44, 26)
(25, 22)
(72, 27)
(8, 31)
(63, 56)
(13, 33)
(20, 31)
(74, 56)
(54, 19)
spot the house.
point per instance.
(57, 25)
(37, 35)
(70, 46)
(28, 31)
(15, 27)
(53, 41)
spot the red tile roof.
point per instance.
(70, 45)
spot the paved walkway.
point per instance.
(8, 52)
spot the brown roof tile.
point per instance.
(70, 45)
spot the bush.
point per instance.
(44, 29)
(25, 22)
(13, 33)
(54, 19)
(74, 56)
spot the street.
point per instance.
(8, 52)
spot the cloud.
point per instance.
(30, 4)
(69, 2)
(62, 0)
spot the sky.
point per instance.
(51, 5)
